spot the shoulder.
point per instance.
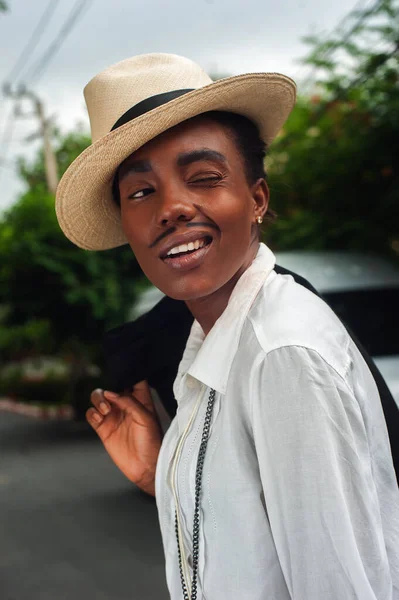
(286, 314)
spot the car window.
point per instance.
(372, 315)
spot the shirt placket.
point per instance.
(188, 413)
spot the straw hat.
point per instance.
(132, 102)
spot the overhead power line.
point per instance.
(9, 123)
(40, 66)
(33, 41)
(35, 72)
(45, 132)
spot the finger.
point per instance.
(141, 391)
(94, 418)
(125, 403)
(99, 402)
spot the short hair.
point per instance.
(248, 141)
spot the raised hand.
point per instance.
(129, 429)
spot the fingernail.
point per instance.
(96, 417)
(111, 394)
(104, 408)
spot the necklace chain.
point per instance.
(196, 520)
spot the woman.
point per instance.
(275, 479)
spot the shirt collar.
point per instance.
(209, 358)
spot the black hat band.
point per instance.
(148, 104)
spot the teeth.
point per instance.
(186, 247)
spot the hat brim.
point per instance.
(85, 209)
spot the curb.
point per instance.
(63, 412)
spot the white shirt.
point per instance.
(299, 496)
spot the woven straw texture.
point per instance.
(84, 206)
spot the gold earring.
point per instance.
(259, 220)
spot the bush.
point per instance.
(48, 391)
(46, 381)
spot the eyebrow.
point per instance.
(186, 158)
(138, 166)
(183, 160)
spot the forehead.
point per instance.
(198, 132)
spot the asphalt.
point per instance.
(71, 526)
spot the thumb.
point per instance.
(141, 391)
(124, 402)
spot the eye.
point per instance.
(206, 178)
(140, 194)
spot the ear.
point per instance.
(261, 195)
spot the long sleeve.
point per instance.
(318, 482)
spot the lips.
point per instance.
(185, 239)
(188, 260)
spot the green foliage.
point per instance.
(55, 292)
(334, 171)
(51, 390)
(366, 41)
(3, 6)
(34, 334)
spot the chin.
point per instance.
(190, 292)
(184, 295)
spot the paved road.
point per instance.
(71, 526)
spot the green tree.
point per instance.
(47, 284)
(334, 171)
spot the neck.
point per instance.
(208, 309)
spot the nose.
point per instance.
(175, 207)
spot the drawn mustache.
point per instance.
(171, 230)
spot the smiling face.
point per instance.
(188, 186)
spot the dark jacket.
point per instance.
(151, 348)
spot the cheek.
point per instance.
(236, 214)
(134, 226)
(135, 235)
(136, 230)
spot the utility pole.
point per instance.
(50, 161)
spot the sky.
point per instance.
(225, 37)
